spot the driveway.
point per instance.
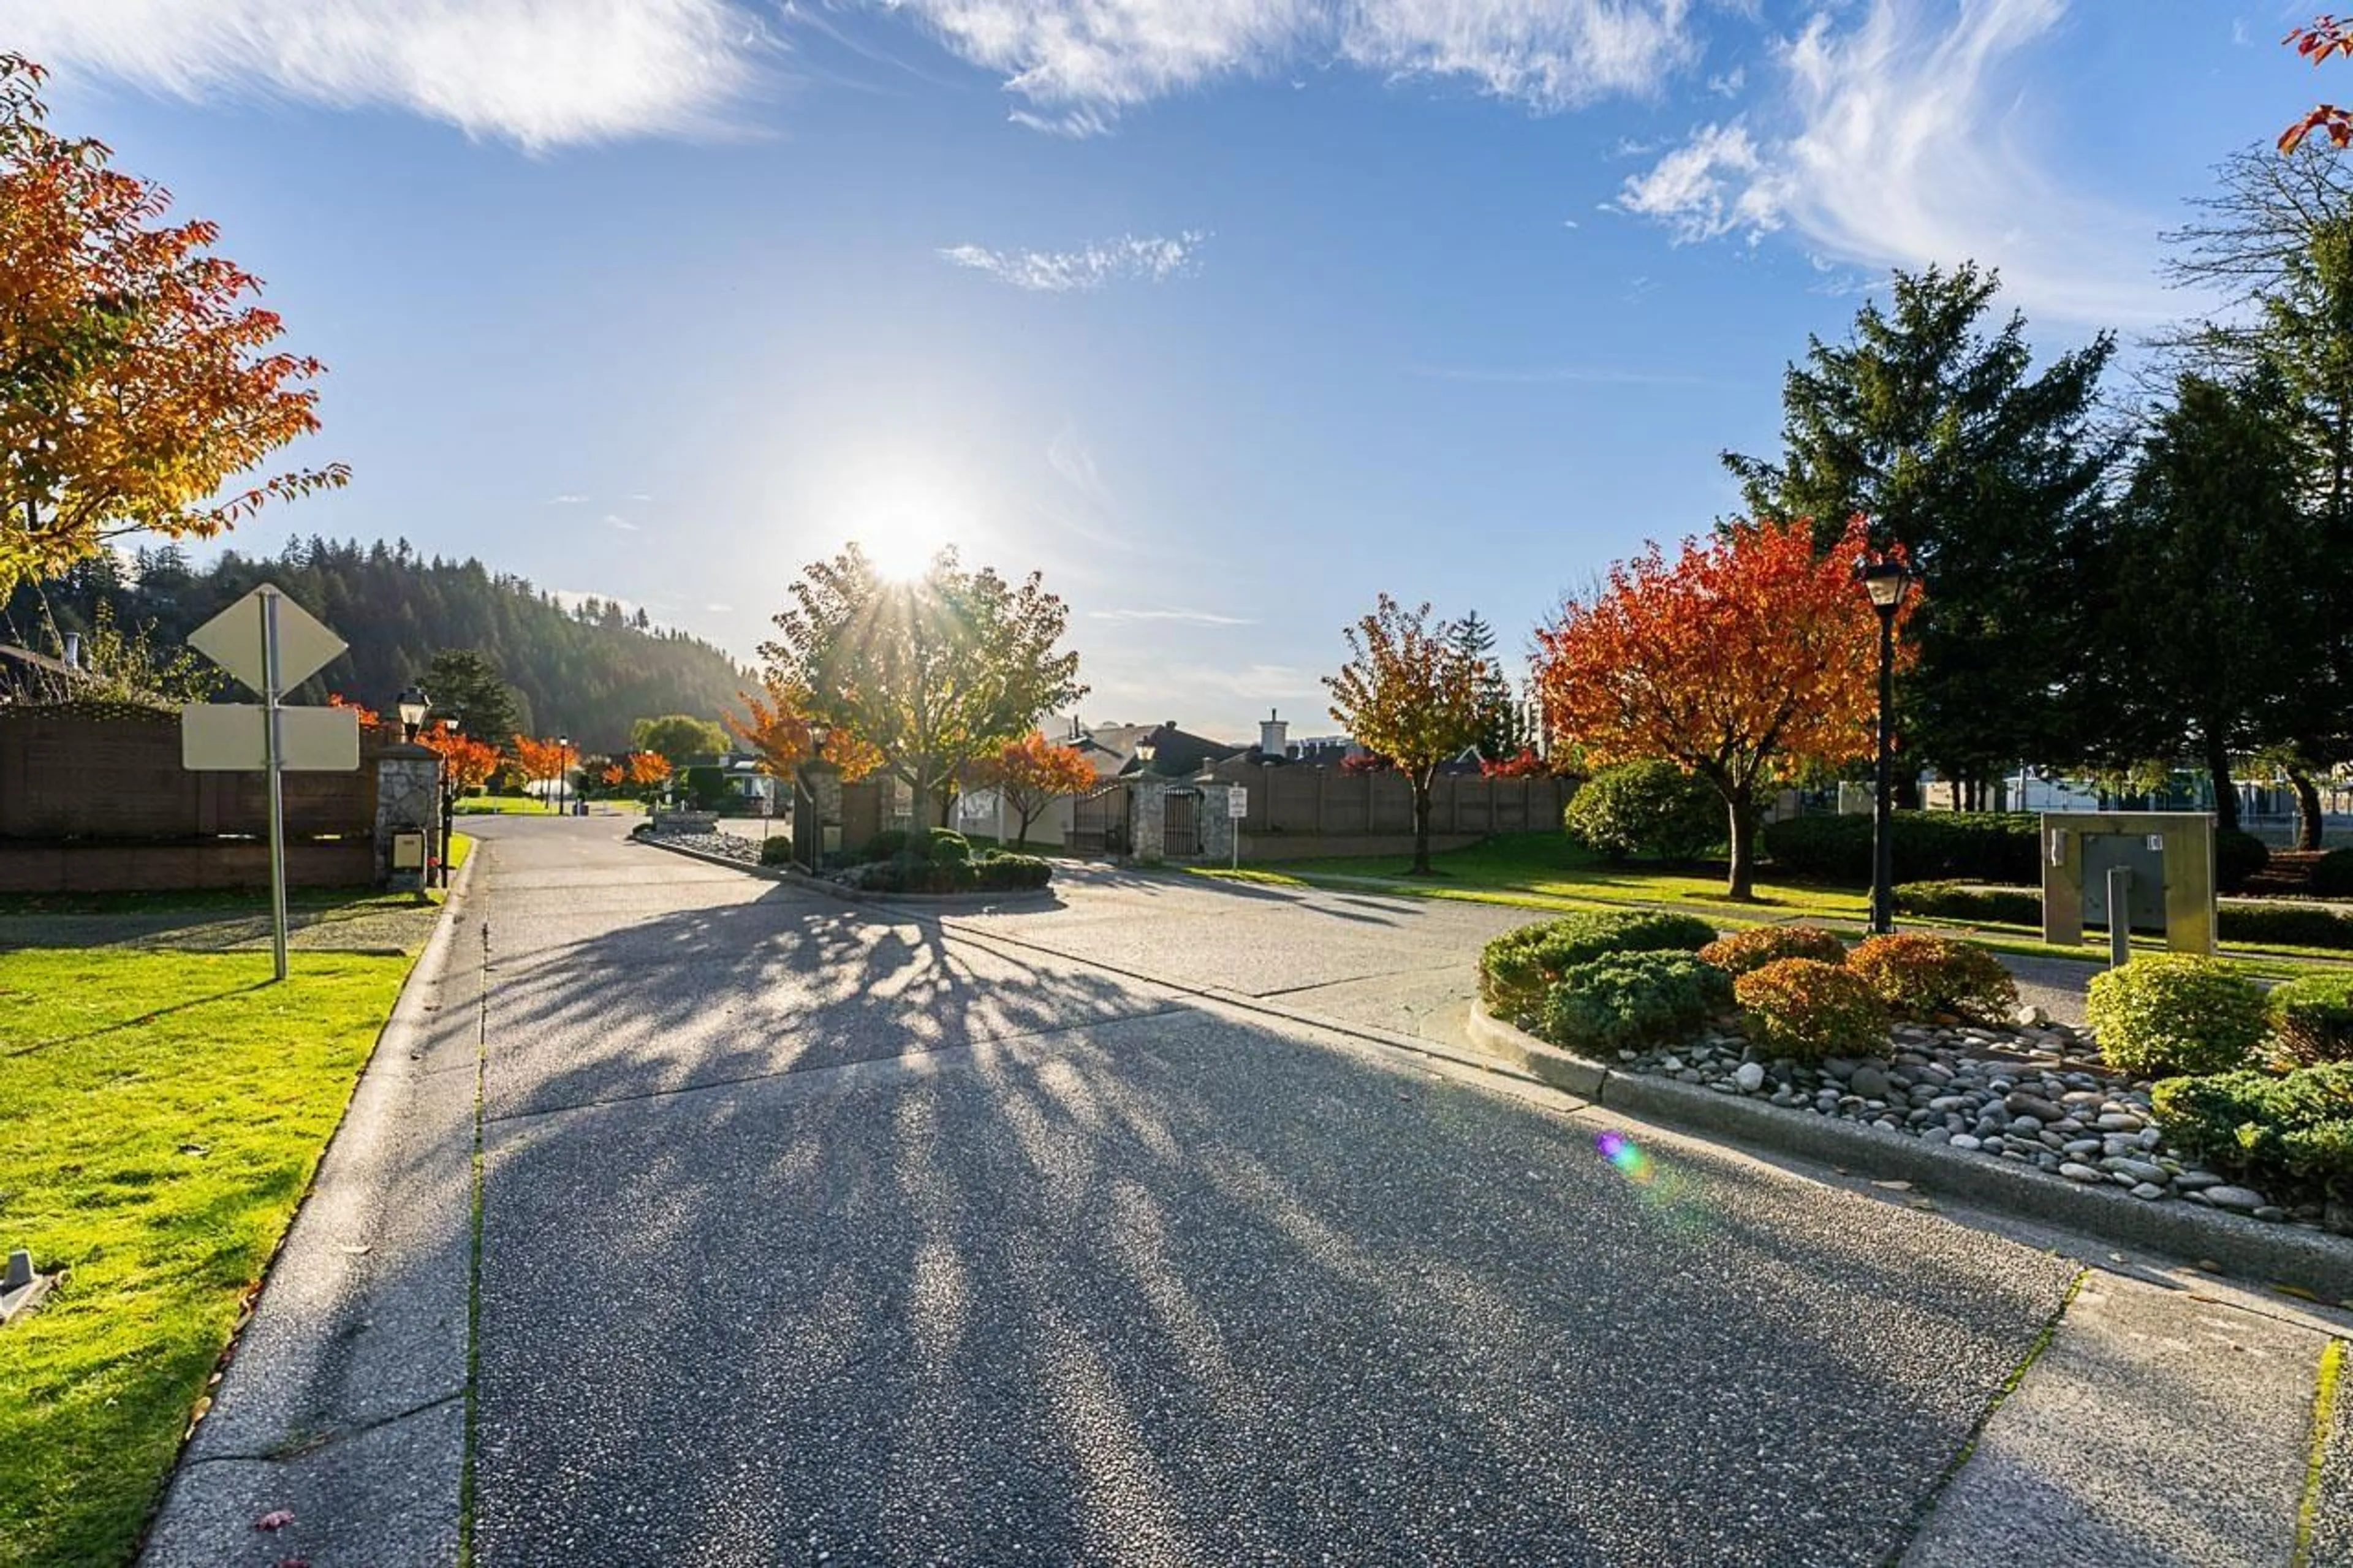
(1125, 1231)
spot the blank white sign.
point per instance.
(225, 737)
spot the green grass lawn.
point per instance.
(1547, 871)
(504, 806)
(165, 1111)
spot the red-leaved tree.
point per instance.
(1031, 774)
(1744, 656)
(2327, 36)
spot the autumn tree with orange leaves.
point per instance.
(778, 733)
(1746, 656)
(542, 761)
(649, 775)
(468, 763)
(2326, 36)
(1412, 694)
(137, 376)
(1031, 774)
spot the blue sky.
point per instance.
(1226, 315)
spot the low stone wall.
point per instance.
(89, 868)
(1259, 848)
(686, 822)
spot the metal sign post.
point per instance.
(1237, 808)
(269, 645)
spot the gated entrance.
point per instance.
(1098, 822)
(1180, 837)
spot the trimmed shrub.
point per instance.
(2293, 1130)
(1012, 873)
(1958, 846)
(944, 846)
(1919, 976)
(2312, 1018)
(706, 788)
(2283, 925)
(887, 845)
(775, 850)
(1630, 999)
(2332, 874)
(1652, 809)
(2174, 1013)
(1517, 968)
(1759, 945)
(1960, 901)
(2238, 856)
(908, 875)
(1811, 1010)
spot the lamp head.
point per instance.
(412, 705)
(1884, 579)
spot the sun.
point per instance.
(901, 520)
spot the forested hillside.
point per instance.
(588, 670)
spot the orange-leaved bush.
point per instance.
(1811, 1011)
(1919, 975)
(1743, 951)
(1031, 774)
(1741, 659)
(779, 732)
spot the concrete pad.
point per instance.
(1183, 1289)
(384, 1495)
(2157, 1428)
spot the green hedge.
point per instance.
(2332, 874)
(2238, 856)
(1962, 845)
(1517, 968)
(2312, 1018)
(775, 850)
(1958, 901)
(1630, 999)
(1650, 808)
(2285, 925)
(2290, 1132)
(2175, 1012)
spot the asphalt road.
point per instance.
(811, 1233)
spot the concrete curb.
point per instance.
(947, 903)
(343, 1398)
(2278, 1254)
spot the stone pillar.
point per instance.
(408, 800)
(817, 813)
(1147, 816)
(1214, 826)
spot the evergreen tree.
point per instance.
(1935, 430)
(462, 682)
(1499, 717)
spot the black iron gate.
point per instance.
(1180, 837)
(1098, 822)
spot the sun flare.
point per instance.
(902, 520)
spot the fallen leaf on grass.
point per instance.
(276, 1518)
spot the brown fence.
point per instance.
(94, 801)
(1326, 802)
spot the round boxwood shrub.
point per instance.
(2332, 874)
(2312, 1018)
(1743, 951)
(2175, 1012)
(1630, 999)
(1649, 808)
(1919, 976)
(887, 845)
(1517, 968)
(2291, 1130)
(944, 845)
(775, 850)
(1012, 873)
(2238, 856)
(1811, 1011)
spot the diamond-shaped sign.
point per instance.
(233, 639)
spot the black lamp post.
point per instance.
(450, 723)
(1885, 580)
(412, 706)
(812, 852)
(563, 771)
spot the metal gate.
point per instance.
(1098, 822)
(1180, 837)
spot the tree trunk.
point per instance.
(2226, 798)
(1908, 790)
(1423, 800)
(1741, 801)
(2308, 809)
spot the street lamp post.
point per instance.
(1885, 580)
(412, 706)
(563, 771)
(450, 723)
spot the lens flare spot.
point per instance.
(1626, 1156)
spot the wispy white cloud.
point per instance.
(566, 501)
(615, 520)
(1190, 617)
(1068, 455)
(1075, 65)
(639, 495)
(1130, 258)
(1894, 141)
(719, 609)
(541, 73)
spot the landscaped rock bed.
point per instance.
(727, 846)
(2034, 1093)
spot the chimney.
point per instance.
(1272, 733)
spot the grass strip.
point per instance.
(2324, 1407)
(165, 1113)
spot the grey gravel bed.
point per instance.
(2036, 1094)
(728, 846)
